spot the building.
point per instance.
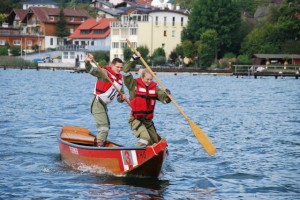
(94, 34)
(152, 28)
(37, 26)
(261, 59)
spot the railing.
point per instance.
(73, 48)
(120, 24)
(17, 33)
(271, 70)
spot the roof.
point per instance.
(275, 56)
(91, 25)
(16, 12)
(43, 13)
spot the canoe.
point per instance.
(77, 149)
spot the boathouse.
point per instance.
(262, 59)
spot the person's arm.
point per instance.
(162, 96)
(128, 78)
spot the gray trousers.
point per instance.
(99, 111)
(144, 130)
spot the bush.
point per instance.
(3, 51)
(15, 50)
(243, 60)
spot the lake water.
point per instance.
(254, 124)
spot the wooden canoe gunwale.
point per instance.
(97, 148)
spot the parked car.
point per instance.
(48, 59)
(38, 60)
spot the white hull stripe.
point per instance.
(129, 159)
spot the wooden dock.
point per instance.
(267, 70)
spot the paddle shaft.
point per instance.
(106, 76)
(200, 135)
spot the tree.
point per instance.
(159, 56)
(173, 57)
(208, 48)
(85, 6)
(61, 26)
(220, 15)
(127, 53)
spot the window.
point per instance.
(165, 21)
(163, 45)
(156, 20)
(72, 19)
(65, 55)
(82, 19)
(173, 21)
(181, 21)
(72, 55)
(115, 32)
(134, 44)
(29, 43)
(51, 41)
(115, 45)
(17, 42)
(84, 32)
(51, 18)
(2, 42)
(123, 45)
(99, 31)
(173, 33)
(133, 31)
(92, 43)
(165, 33)
(71, 30)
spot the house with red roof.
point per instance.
(36, 26)
(94, 34)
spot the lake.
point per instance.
(253, 123)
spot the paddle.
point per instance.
(105, 75)
(200, 135)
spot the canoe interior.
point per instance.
(81, 136)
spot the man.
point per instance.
(143, 93)
(104, 93)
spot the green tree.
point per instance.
(101, 56)
(220, 15)
(84, 6)
(127, 53)
(2, 18)
(188, 49)
(159, 56)
(61, 26)
(208, 48)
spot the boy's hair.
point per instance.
(116, 60)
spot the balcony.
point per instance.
(120, 24)
(73, 47)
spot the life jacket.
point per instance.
(105, 90)
(144, 100)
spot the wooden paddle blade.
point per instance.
(202, 138)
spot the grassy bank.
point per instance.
(11, 61)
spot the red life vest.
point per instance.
(105, 90)
(144, 100)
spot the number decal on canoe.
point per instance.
(74, 150)
(129, 159)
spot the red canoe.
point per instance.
(77, 150)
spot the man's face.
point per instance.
(117, 67)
